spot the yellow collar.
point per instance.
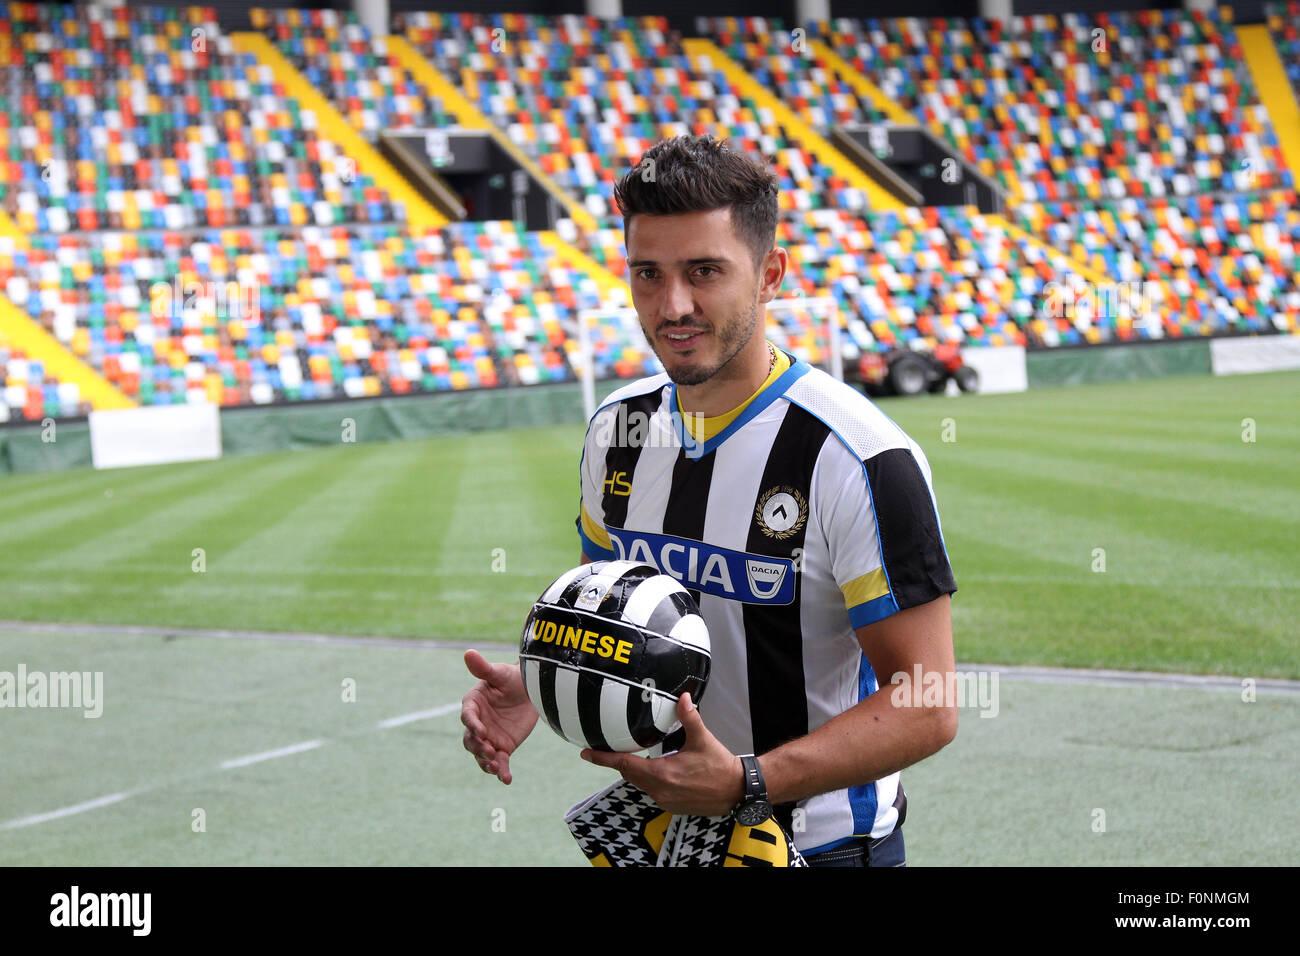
(702, 429)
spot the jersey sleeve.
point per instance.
(591, 516)
(883, 535)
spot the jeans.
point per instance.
(887, 851)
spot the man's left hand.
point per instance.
(703, 778)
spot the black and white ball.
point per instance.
(607, 650)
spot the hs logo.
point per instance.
(617, 484)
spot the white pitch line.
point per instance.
(225, 765)
(417, 715)
(271, 754)
(68, 811)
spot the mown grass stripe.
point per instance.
(162, 525)
(117, 503)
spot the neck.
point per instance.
(732, 385)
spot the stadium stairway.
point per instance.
(742, 82)
(865, 89)
(611, 286)
(1275, 91)
(470, 117)
(59, 364)
(10, 231)
(419, 212)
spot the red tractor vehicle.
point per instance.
(911, 372)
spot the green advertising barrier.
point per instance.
(52, 447)
(310, 424)
(1115, 363)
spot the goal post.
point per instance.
(583, 358)
(585, 322)
(790, 321)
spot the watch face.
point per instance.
(753, 813)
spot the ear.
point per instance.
(771, 273)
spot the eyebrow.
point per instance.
(706, 260)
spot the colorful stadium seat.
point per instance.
(194, 239)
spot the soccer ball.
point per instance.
(607, 650)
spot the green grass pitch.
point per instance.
(453, 538)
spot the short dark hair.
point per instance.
(699, 174)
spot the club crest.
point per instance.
(781, 512)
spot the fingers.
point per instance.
(689, 714)
(502, 768)
(476, 745)
(494, 678)
(623, 763)
(477, 739)
(489, 759)
(638, 771)
(469, 714)
(692, 722)
(478, 665)
(497, 763)
(602, 759)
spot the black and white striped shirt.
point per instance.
(809, 515)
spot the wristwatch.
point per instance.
(754, 807)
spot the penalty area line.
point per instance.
(232, 764)
(417, 715)
(68, 811)
(271, 754)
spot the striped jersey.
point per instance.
(809, 515)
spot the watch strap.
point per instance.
(755, 785)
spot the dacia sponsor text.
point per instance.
(736, 575)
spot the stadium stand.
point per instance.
(1209, 264)
(347, 311)
(587, 97)
(1034, 105)
(146, 118)
(326, 313)
(1085, 106)
(143, 149)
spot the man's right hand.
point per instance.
(497, 714)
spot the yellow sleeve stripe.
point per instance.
(595, 532)
(866, 588)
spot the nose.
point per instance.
(676, 303)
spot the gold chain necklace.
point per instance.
(772, 364)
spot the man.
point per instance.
(812, 509)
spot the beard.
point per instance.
(732, 337)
